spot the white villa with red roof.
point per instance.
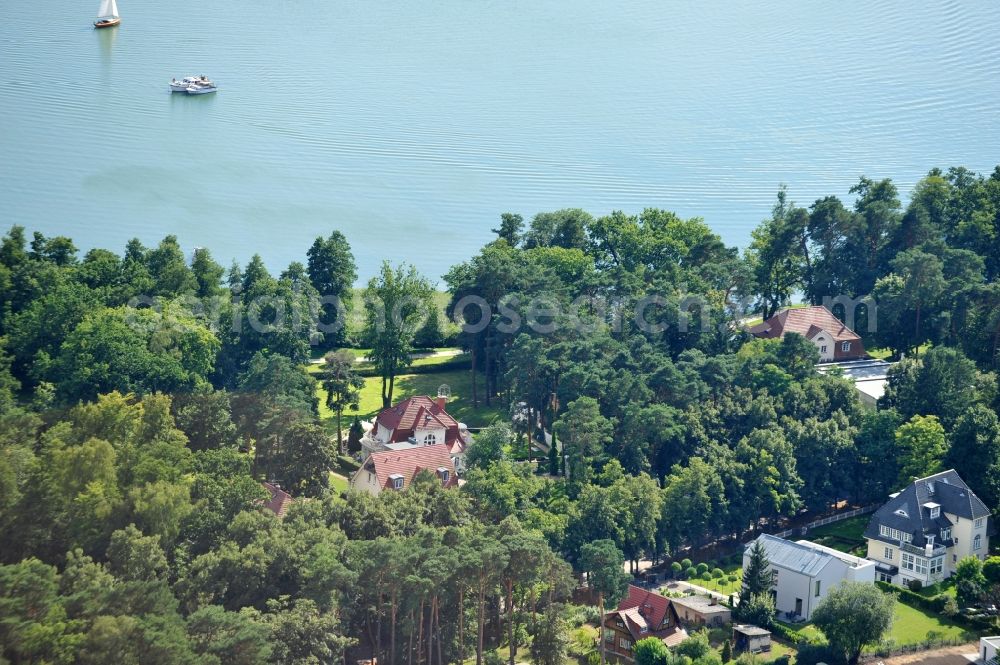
(396, 469)
(832, 338)
(416, 422)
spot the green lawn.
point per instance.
(846, 535)
(722, 585)
(408, 385)
(910, 626)
(339, 483)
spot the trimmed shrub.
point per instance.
(676, 568)
(690, 572)
(702, 568)
(732, 578)
(685, 563)
(707, 576)
(717, 573)
(915, 585)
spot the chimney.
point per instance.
(441, 401)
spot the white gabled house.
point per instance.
(416, 422)
(804, 573)
(923, 531)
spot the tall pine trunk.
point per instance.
(600, 630)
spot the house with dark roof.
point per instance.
(924, 530)
(278, 500)
(415, 422)
(833, 339)
(641, 614)
(394, 470)
(803, 573)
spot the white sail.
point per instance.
(108, 8)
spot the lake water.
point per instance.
(411, 126)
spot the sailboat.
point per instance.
(107, 15)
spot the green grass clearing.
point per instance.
(846, 535)
(459, 405)
(910, 626)
(339, 483)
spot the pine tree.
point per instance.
(757, 579)
(554, 457)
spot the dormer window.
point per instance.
(935, 512)
(902, 513)
(444, 474)
(396, 480)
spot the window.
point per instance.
(935, 511)
(921, 567)
(977, 542)
(846, 346)
(906, 561)
(945, 534)
(888, 553)
(979, 522)
(954, 558)
(817, 588)
(937, 565)
(444, 476)
(625, 644)
(397, 481)
(895, 534)
(430, 439)
(930, 540)
(822, 349)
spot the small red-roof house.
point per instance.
(832, 338)
(641, 614)
(279, 500)
(414, 422)
(395, 469)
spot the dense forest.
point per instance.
(143, 396)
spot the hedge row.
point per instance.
(930, 603)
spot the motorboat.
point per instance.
(202, 88)
(107, 14)
(187, 82)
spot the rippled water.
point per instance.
(411, 126)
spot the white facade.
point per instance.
(825, 345)
(804, 573)
(365, 481)
(988, 647)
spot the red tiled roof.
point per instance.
(652, 606)
(279, 501)
(419, 412)
(806, 321)
(408, 463)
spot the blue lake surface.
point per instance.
(410, 126)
